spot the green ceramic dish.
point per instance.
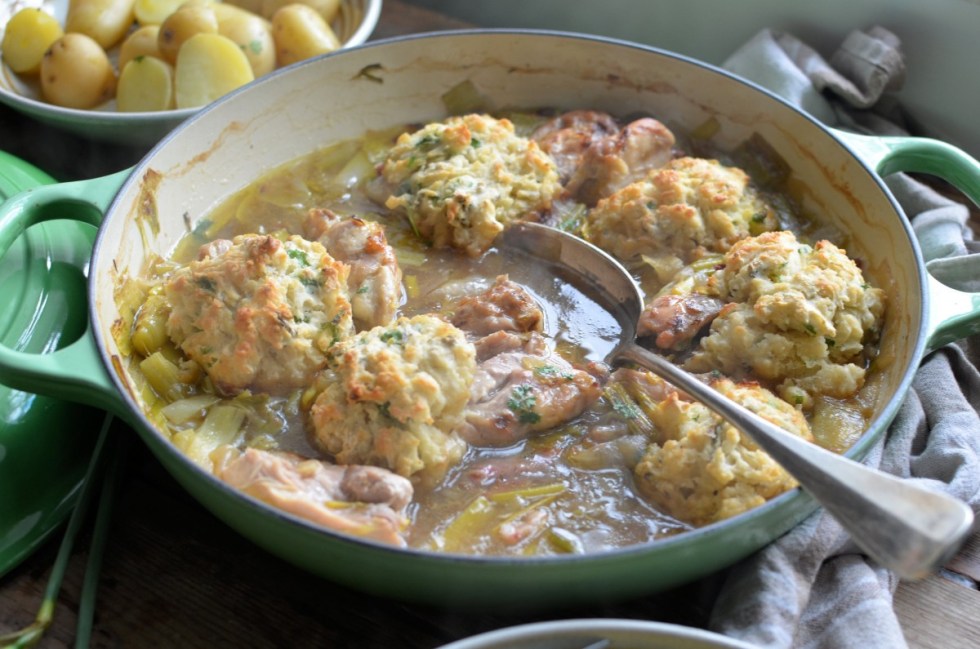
(290, 113)
(45, 443)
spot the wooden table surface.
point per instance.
(175, 576)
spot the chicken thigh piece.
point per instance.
(614, 161)
(505, 306)
(568, 136)
(675, 320)
(522, 386)
(375, 280)
(365, 501)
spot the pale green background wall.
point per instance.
(941, 38)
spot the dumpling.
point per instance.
(394, 396)
(460, 182)
(258, 312)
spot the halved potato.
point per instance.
(146, 83)
(301, 33)
(154, 12)
(326, 8)
(250, 32)
(105, 21)
(142, 42)
(209, 66)
(191, 19)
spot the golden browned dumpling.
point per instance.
(461, 181)
(395, 395)
(259, 313)
(679, 213)
(799, 316)
(701, 469)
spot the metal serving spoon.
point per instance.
(902, 525)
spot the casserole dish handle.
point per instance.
(953, 314)
(75, 371)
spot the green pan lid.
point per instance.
(45, 444)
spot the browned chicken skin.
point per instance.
(676, 319)
(616, 160)
(525, 388)
(567, 137)
(522, 385)
(375, 278)
(505, 306)
(365, 500)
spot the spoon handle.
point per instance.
(903, 525)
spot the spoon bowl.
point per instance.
(902, 524)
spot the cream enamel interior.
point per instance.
(296, 111)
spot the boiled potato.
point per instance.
(154, 12)
(300, 33)
(250, 32)
(145, 84)
(105, 21)
(76, 73)
(142, 42)
(208, 66)
(29, 33)
(252, 6)
(189, 20)
(326, 8)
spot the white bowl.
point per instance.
(353, 26)
(599, 632)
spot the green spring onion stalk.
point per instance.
(94, 478)
(100, 533)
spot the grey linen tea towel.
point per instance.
(813, 588)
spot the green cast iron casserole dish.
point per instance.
(293, 111)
